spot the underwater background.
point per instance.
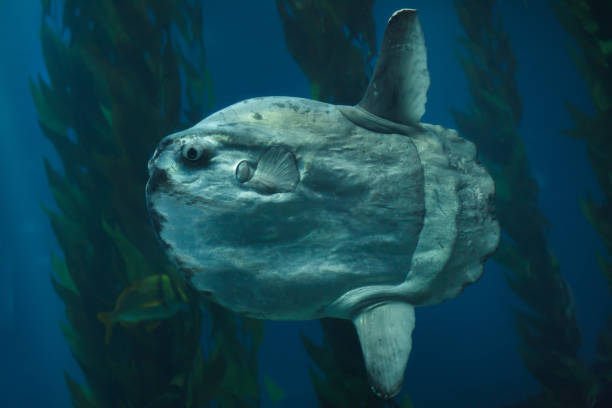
(93, 86)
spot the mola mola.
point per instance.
(288, 208)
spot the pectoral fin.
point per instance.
(276, 172)
(385, 333)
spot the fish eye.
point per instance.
(243, 172)
(197, 153)
(192, 152)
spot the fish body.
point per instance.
(331, 234)
(288, 208)
(153, 297)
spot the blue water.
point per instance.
(465, 350)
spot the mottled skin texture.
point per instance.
(288, 208)
(344, 239)
(352, 221)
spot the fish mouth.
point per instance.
(157, 178)
(156, 218)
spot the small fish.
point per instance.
(154, 297)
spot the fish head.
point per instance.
(218, 185)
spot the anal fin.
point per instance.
(385, 333)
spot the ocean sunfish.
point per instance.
(292, 209)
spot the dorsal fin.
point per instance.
(398, 88)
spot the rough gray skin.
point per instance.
(352, 212)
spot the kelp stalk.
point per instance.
(121, 76)
(547, 326)
(588, 22)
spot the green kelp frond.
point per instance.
(275, 392)
(121, 75)
(326, 35)
(548, 328)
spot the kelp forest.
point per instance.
(123, 74)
